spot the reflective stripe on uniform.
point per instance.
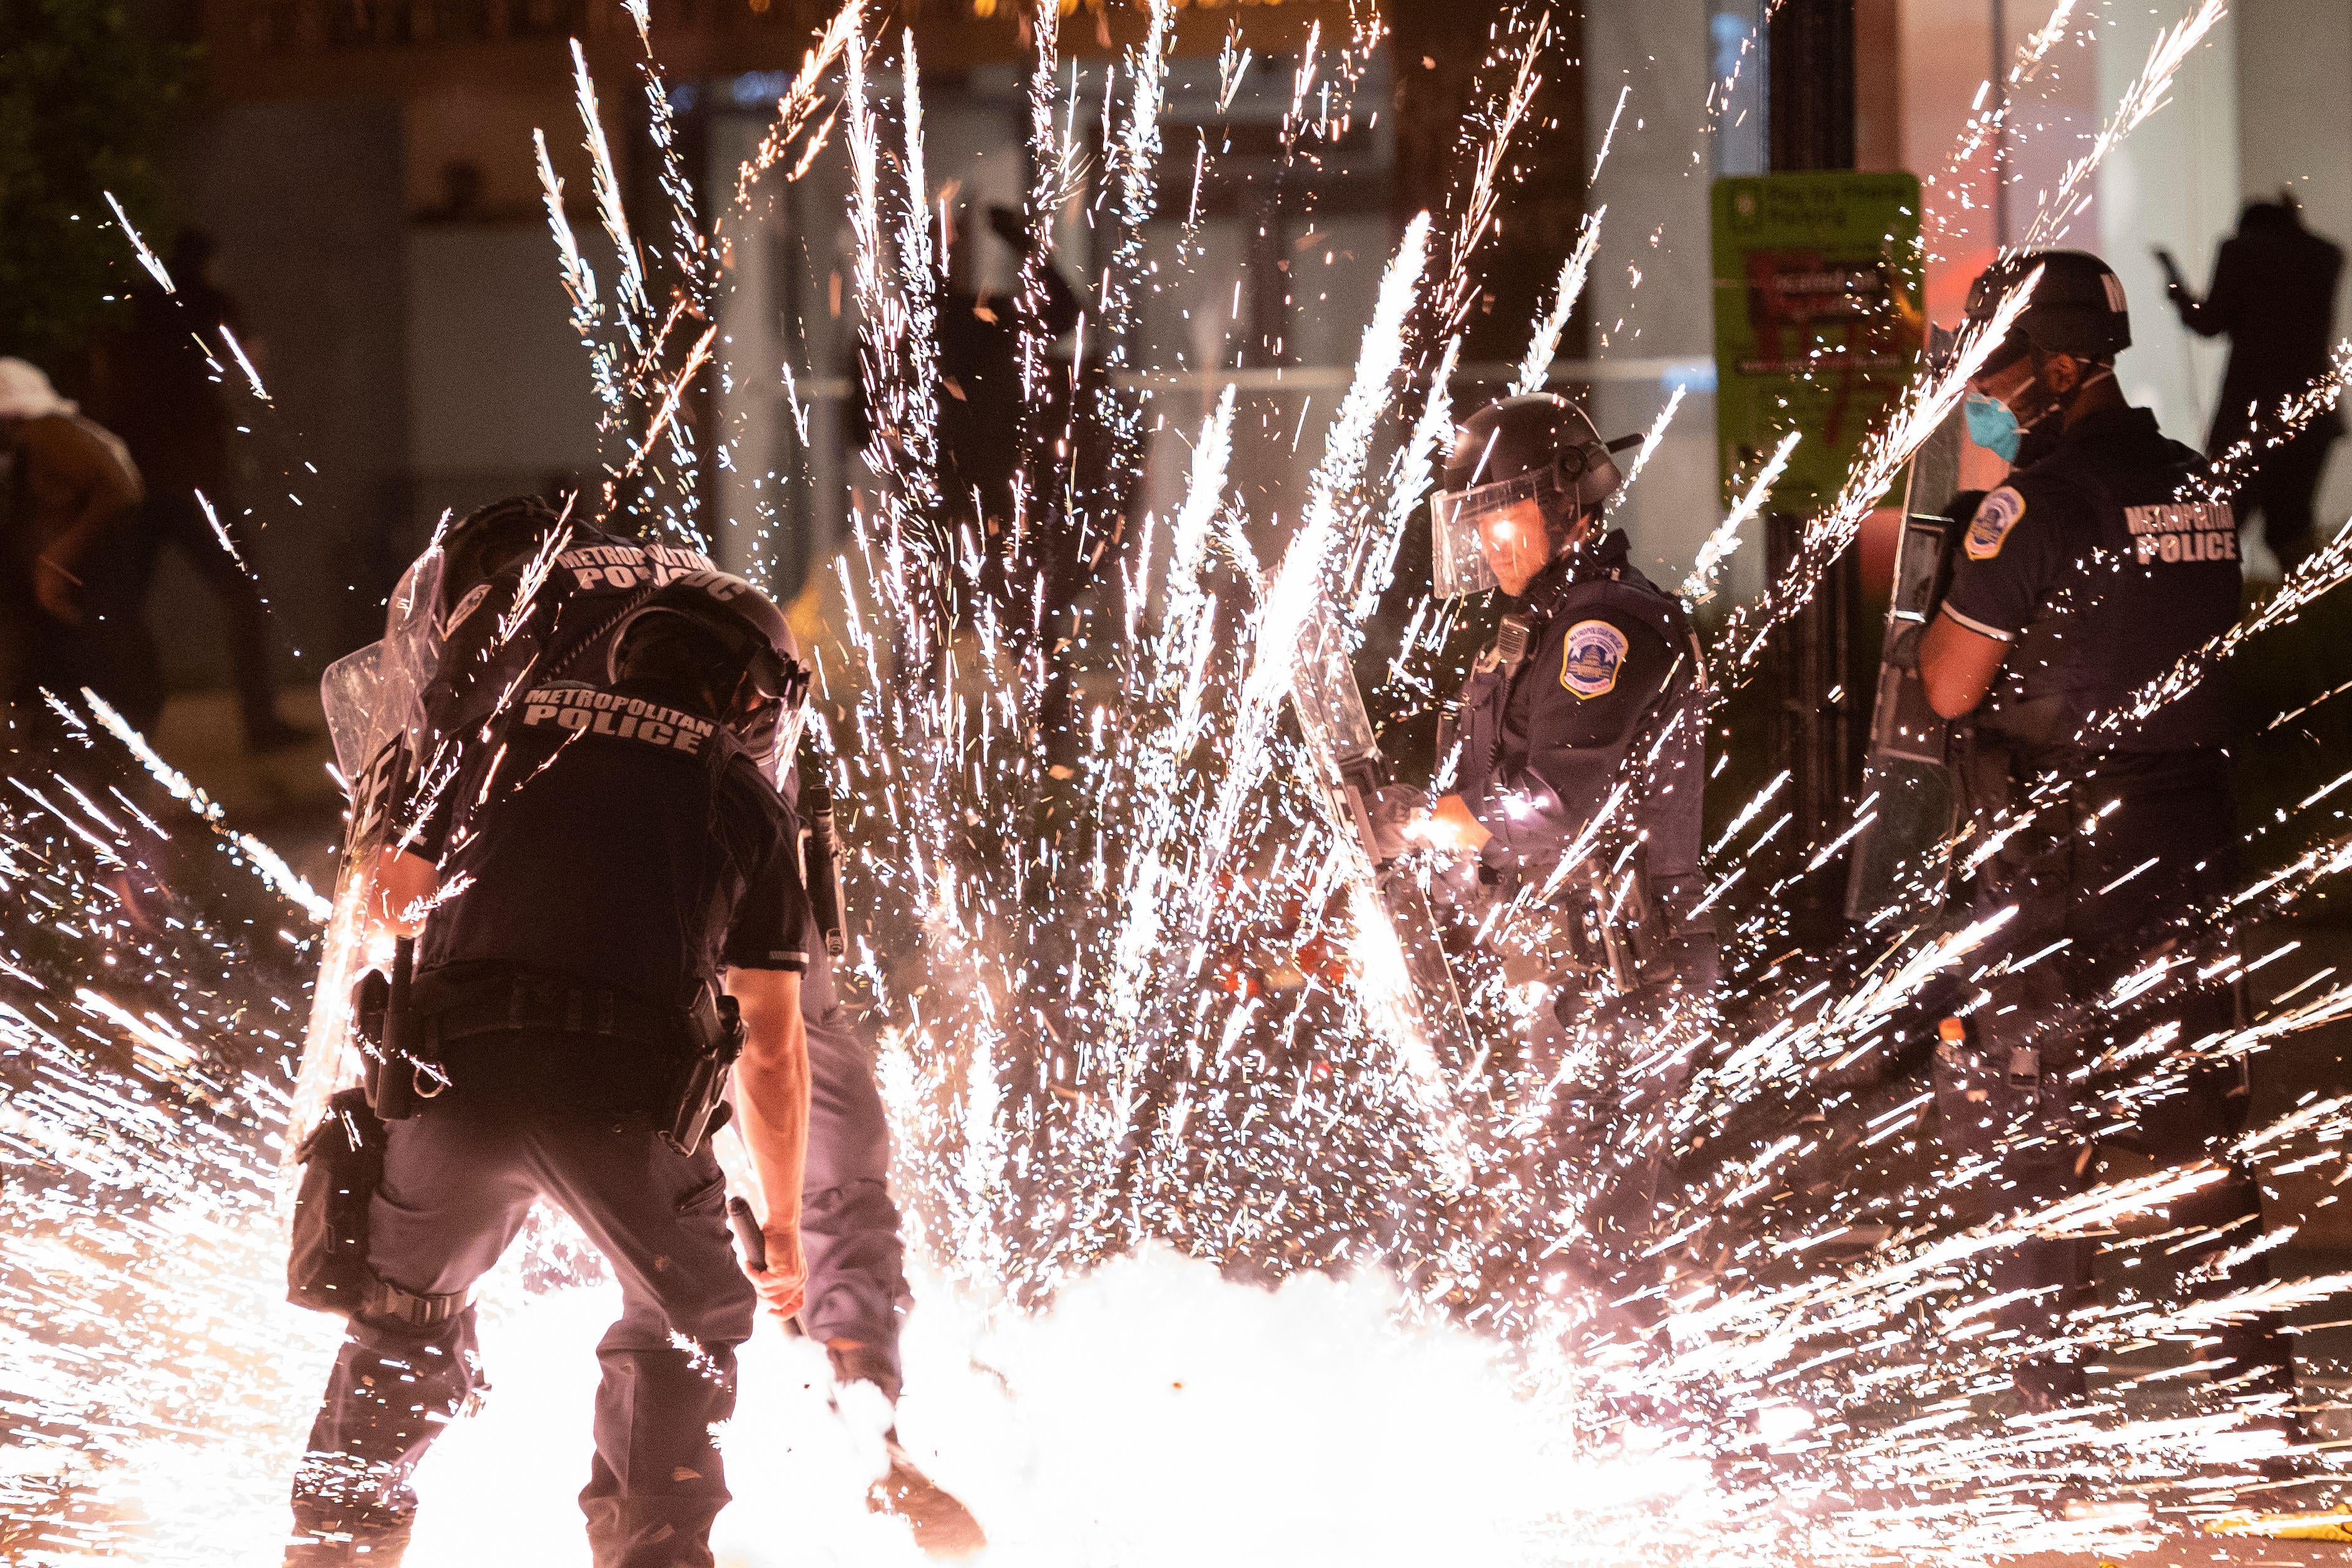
(1978, 627)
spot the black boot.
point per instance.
(942, 1526)
(328, 1535)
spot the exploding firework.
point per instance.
(1091, 827)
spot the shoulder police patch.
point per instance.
(1589, 659)
(1989, 528)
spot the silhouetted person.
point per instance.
(1046, 549)
(162, 396)
(67, 488)
(1033, 562)
(980, 396)
(2273, 293)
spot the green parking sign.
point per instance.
(1818, 320)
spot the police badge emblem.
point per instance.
(1590, 657)
(1989, 529)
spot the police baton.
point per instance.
(754, 1243)
(390, 1069)
(821, 858)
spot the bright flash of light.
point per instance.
(1137, 989)
(1699, 586)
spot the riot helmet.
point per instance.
(2076, 309)
(1539, 447)
(488, 540)
(2077, 306)
(729, 639)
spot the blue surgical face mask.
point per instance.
(1993, 426)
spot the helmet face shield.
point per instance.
(791, 722)
(1458, 563)
(2005, 353)
(774, 710)
(1568, 473)
(1458, 520)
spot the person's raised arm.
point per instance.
(772, 1097)
(2215, 313)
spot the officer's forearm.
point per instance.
(772, 1086)
(1957, 666)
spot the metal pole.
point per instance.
(1999, 19)
(1817, 727)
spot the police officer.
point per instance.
(858, 1292)
(1593, 681)
(610, 860)
(2091, 571)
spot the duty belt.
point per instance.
(511, 1004)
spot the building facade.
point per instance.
(368, 167)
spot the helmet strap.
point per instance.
(1569, 523)
(2059, 405)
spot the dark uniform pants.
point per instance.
(171, 518)
(1611, 1127)
(459, 1182)
(849, 1228)
(2007, 1092)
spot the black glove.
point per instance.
(1455, 881)
(2175, 285)
(1392, 810)
(1903, 646)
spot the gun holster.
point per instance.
(714, 1039)
(1989, 765)
(397, 1077)
(327, 1258)
(820, 875)
(820, 854)
(342, 1162)
(1990, 1088)
(1617, 927)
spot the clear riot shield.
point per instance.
(374, 707)
(348, 692)
(1900, 867)
(1340, 732)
